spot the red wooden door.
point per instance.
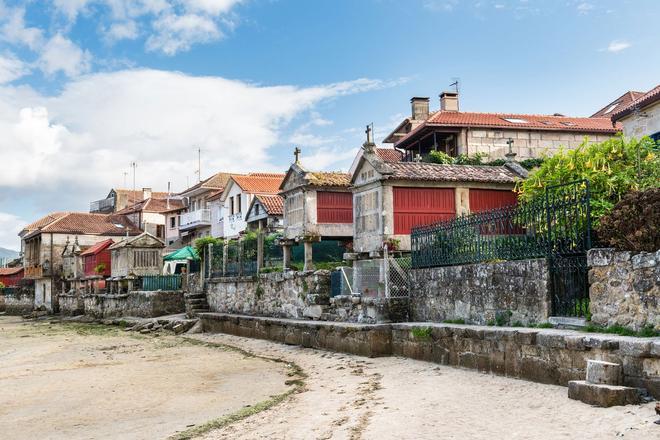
(421, 206)
(485, 199)
(334, 207)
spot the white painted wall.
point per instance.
(217, 218)
(234, 224)
(644, 124)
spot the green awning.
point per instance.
(185, 253)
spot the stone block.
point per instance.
(600, 257)
(550, 340)
(644, 259)
(601, 372)
(635, 347)
(313, 311)
(603, 395)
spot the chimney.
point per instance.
(449, 101)
(420, 108)
(146, 193)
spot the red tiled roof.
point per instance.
(216, 181)
(424, 171)
(215, 195)
(137, 195)
(616, 105)
(98, 247)
(43, 221)
(273, 204)
(6, 271)
(259, 183)
(152, 204)
(499, 120)
(647, 99)
(84, 223)
(389, 154)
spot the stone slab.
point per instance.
(605, 373)
(603, 395)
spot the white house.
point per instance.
(238, 195)
(217, 214)
(641, 117)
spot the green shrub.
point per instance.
(202, 243)
(646, 332)
(613, 167)
(454, 321)
(422, 333)
(634, 222)
(2, 285)
(544, 325)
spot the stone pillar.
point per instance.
(286, 256)
(309, 261)
(260, 250)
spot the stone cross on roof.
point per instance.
(296, 153)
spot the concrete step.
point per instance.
(604, 373)
(603, 395)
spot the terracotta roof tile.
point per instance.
(259, 183)
(648, 98)
(43, 221)
(152, 204)
(389, 154)
(137, 195)
(98, 247)
(273, 204)
(91, 224)
(5, 271)
(616, 105)
(216, 181)
(424, 171)
(325, 178)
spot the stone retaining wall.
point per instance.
(71, 304)
(624, 288)
(17, 302)
(137, 303)
(478, 293)
(539, 355)
(297, 295)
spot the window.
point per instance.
(612, 107)
(655, 136)
(516, 120)
(238, 204)
(231, 205)
(172, 222)
(568, 124)
(256, 209)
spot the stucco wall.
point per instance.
(515, 291)
(624, 288)
(638, 126)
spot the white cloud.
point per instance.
(617, 46)
(176, 33)
(84, 138)
(62, 54)
(10, 226)
(125, 30)
(213, 7)
(71, 8)
(11, 68)
(584, 8)
(440, 5)
(13, 29)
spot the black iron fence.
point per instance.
(556, 226)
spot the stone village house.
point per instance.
(84, 269)
(265, 213)
(195, 221)
(457, 132)
(641, 116)
(391, 198)
(238, 195)
(150, 214)
(134, 257)
(317, 206)
(43, 244)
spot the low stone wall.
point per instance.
(540, 355)
(624, 288)
(17, 302)
(297, 295)
(137, 303)
(71, 304)
(515, 291)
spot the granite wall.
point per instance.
(137, 304)
(297, 295)
(624, 288)
(17, 301)
(508, 292)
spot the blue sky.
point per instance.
(87, 86)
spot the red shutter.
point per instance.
(421, 206)
(334, 207)
(485, 199)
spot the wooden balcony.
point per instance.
(34, 272)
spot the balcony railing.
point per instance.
(103, 205)
(201, 217)
(34, 272)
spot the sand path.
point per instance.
(350, 397)
(82, 382)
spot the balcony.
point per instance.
(194, 219)
(103, 205)
(33, 272)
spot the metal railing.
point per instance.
(192, 218)
(559, 223)
(106, 204)
(149, 283)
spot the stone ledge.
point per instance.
(603, 395)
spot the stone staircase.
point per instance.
(196, 303)
(604, 387)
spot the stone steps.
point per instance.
(603, 386)
(196, 303)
